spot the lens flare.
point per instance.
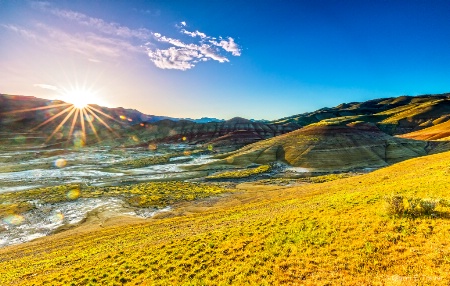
(20, 139)
(73, 194)
(14, 219)
(89, 118)
(184, 138)
(60, 163)
(57, 217)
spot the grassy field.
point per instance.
(150, 194)
(332, 233)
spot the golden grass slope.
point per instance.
(440, 131)
(334, 233)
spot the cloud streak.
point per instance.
(46, 86)
(109, 28)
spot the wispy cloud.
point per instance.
(110, 28)
(21, 31)
(184, 56)
(88, 44)
(46, 86)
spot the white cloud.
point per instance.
(229, 46)
(194, 34)
(183, 24)
(184, 56)
(209, 52)
(174, 58)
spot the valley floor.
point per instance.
(328, 233)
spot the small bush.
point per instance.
(428, 206)
(394, 205)
(415, 207)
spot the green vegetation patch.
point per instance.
(160, 159)
(150, 194)
(238, 174)
(147, 161)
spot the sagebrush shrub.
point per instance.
(394, 204)
(415, 207)
(428, 206)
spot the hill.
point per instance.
(316, 234)
(321, 147)
(235, 132)
(397, 115)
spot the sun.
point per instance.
(80, 97)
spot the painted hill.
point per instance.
(394, 116)
(234, 132)
(335, 233)
(329, 148)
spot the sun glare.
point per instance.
(79, 118)
(80, 98)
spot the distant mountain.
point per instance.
(37, 119)
(14, 106)
(204, 120)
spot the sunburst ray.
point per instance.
(91, 124)
(88, 108)
(72, 126)
(35, 108)
(83, 128)
(104, 114)
(60, 124)
(52, 118)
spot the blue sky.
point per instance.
(255, 59)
